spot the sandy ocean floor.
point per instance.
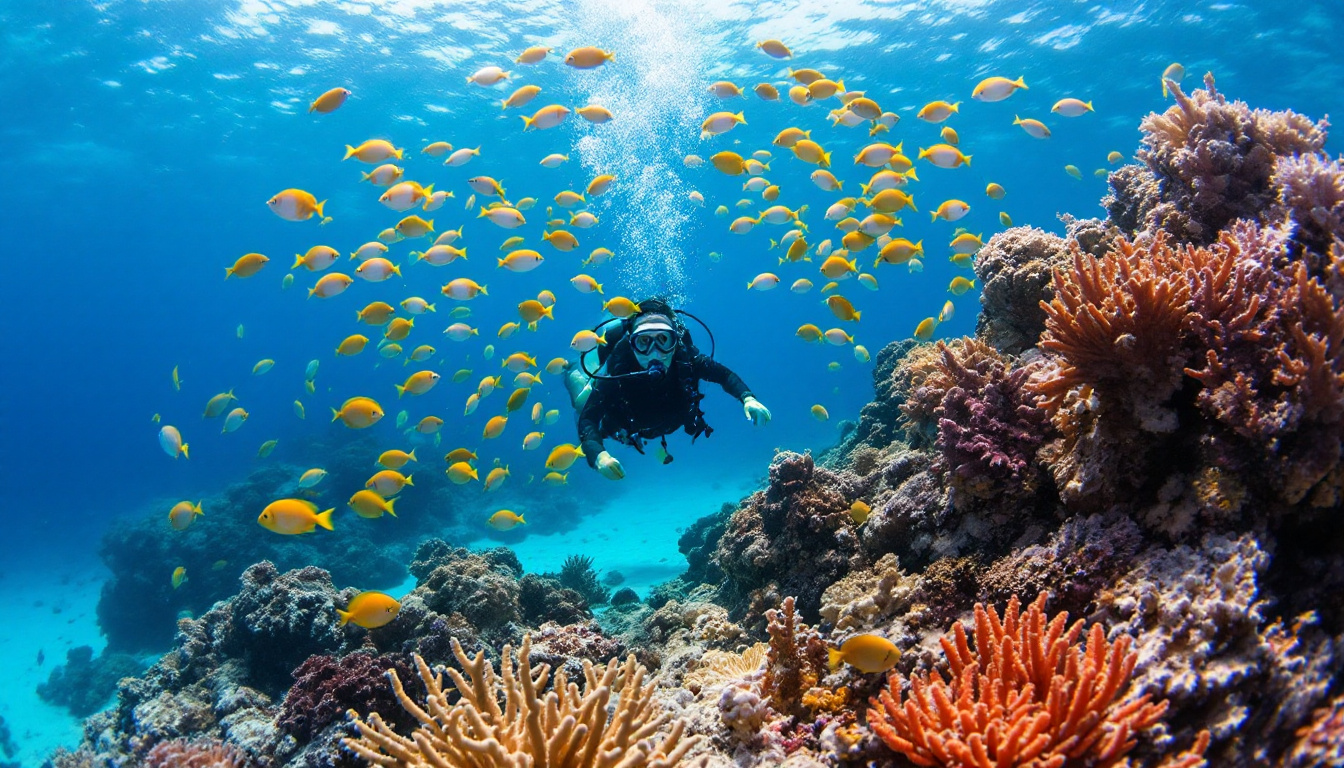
(634, 532)
(57, 614)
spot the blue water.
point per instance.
(142, 140)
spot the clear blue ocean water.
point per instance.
(142, 140)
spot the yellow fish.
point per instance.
(495, 477)
(418, 383)
(373, 151)
(369, 610)
(216, 405)
(859, 512)
(588, 57)
(179, 576)
(183, 514)
(266, 448)
(996, 88)
(294, 516)
(388, 482)
(494, 427)
(1005, 219)
(867, 653)
(395, 459)
(358, 412)
(460, 472)
(329, 101)
(924, 331)
(1034, 128)
(556, 478)
(247, 265)
(819, 413)
(369, 504)
(296, 205)
(504, 520)
(563, 456)
(1175, 73)
(960, 285)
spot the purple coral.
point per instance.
(325, 687)
(1311, 192)
(989, 428)
(1214, 161)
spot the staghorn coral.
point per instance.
(1214, 161)
(1322, 742)
(1026, 695)
(562, 727)
(196, 753)
(1204, 645)
(988, 427)
(1116, 324)
(795, 661)
(1014, 269)
(1311, 194)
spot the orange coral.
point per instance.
(1026, 696)
(1117, 323)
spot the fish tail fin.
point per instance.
(390, 510)
(349, 152)
(400, 390)
(825, 159)
(412, 455)
(408, 481)
(335, 414)
(298, 260)
(910, 174)
(833, 658)
(365, 176)
(527, 122)
(324, 519)
(320, 214)
(185, 455)
(397, 270)
(1088, 104)
(1020, 83)
(228, 272)
(399, 152)
(934, 216)
(967, 158)
(345, 617)
(857, 314)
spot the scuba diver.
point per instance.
(647, 385)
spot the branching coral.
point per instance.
(926, 377)
(1311, 192)
(988, 427)
(1027, 695)
(1214, 160)
(1116, 323)
(561, 728)
(796, 659)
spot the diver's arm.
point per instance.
(590, 434)
(712, 370)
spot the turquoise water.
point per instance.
(143, 140)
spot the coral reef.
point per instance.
(577, 574)
(1026, 694)
(84, 684)
(793, 538)
(1205, 645)
(542, 599)
(1015, 271)
(1322, 742)
(195, 753)
(559, 727)
(1213, 162)
(326, 686)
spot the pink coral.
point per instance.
(195, 753)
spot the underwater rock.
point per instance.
(624, 596)
(1015, 270)
(544, 599)
(796, 537)
(567, 647)
(1205, 643)
(85, 684)
(697, 544)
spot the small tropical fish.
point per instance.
(298, 409)
(388, 482)
(1072, 107)
(1034, 128)
(588, 57)
(867, 653)
(179, 576)
(996, 88)
(247, 265)
(861, 353)
(371, 505)
(960, 285)
(358, 413)
(504, 520)
(1114, 157)
(819, 413)
(329, 101)
(293, 516)
(1175, 73)
(171, 442)
(369, 610)
(266, 448)
(924, 331)
(563, 456)
(1073, 171)
(461, 472)
(1005, 219)
(859, 512)
(183, 514)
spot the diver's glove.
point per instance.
(757, 413)
(609, 466)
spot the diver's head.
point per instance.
(653, 338)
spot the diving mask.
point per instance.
(654, 335)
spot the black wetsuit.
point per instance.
(638, 408)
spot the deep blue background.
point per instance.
(142, 140)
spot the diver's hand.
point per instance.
(609, 466)
(757, 413)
